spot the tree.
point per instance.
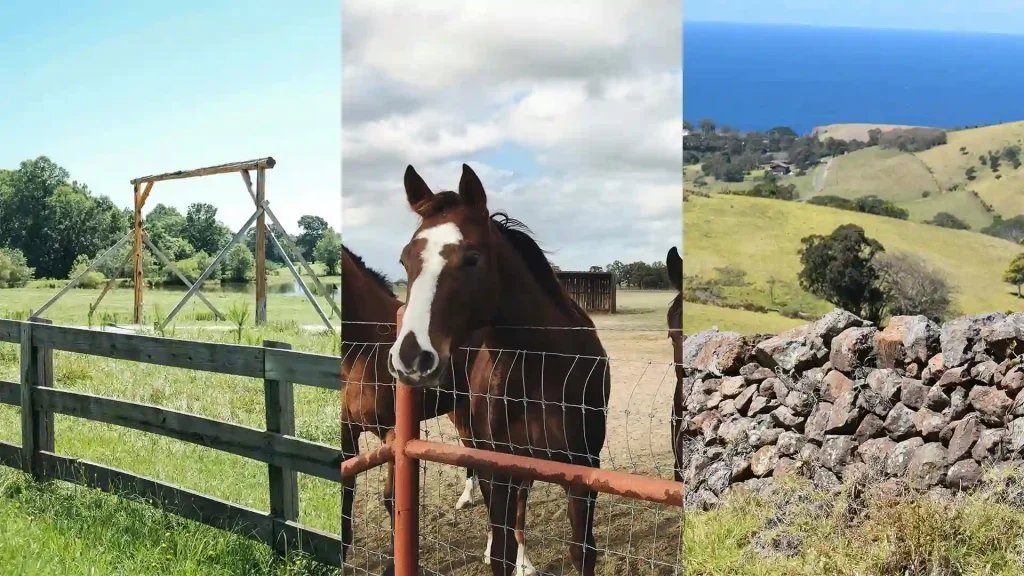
(707, 126)
(947, 220)
(838, 268)
(203, 231)
(971, 173)
(1014, 273)
(912, 287)
(328, 251)
(168, 230)
(1011, 229)
(52, 220)
(312, 229)
(273, 255)
(239, 265)
(595, 269)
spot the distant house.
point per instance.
(778, 168)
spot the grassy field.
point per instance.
(762, 237)
(61, 529)
(73, 308)
(798, 531)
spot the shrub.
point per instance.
(926, 193)
(14, 269)
(971, 173)
(947, 220)
(1011, 229)
(93, 279)
(911, 287)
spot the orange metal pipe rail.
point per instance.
(632, 486)
(407, 450)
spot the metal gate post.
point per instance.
(407, 482)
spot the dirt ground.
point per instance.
(632, 537)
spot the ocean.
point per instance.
(754, 77)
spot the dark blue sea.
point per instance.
(754, 77)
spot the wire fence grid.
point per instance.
(630, 536)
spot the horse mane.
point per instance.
(521, 238)
(377, 277)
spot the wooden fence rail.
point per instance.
(285, 455)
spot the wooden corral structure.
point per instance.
(594, 291)
(138, 237)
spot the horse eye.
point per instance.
(470, 260)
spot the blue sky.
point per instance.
(996, 16)
(116, 90)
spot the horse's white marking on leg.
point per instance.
(471, 495)
(523, 565)
(421, 293)
(487, 551)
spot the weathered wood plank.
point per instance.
(303, 368)
(231, 359)
(279, 402)
(303, 456)
(10, 393)
(241, 520)
(267, 162)
(10, 455)
(10, 331)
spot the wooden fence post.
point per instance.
(36, 425)
(284, 483)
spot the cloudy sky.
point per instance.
(569, 112)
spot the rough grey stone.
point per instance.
(836, 452)
(900, 422)
(851, 348)
(963, 475)
(790, 443)
(899, 459)
(870, 427)
(928, 466)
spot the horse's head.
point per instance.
(674, 264)
(452, 277)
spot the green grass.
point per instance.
(80, 528)
(698, 317)
(801, 532)
(762, 237)
(72, 308)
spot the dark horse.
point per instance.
(480, 283)
(674, 264)
(368, 307)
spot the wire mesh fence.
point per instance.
(625, 427)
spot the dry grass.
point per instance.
(853, 131)
(799, 531)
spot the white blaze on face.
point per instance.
(423, 289)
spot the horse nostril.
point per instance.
(425, 362)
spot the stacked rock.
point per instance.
(927, 404)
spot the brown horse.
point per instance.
(479, 282)
(674, 264)
(368, 308)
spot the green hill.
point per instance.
(935, 180)
(762, 238)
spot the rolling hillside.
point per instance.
(904, 178)
(762, 237)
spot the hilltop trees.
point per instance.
(947, 220)
(912, 287)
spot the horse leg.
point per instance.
(502, 547)
(471, 495)
(523, 565)
(349, 449)
(582, 550)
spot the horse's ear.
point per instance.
(675, 268)
(417, 191)
(471, 189)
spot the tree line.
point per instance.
(52, 227)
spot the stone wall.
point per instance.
(916, 402)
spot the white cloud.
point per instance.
(592, 93)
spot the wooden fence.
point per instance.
(593, 291)
(285, 455)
